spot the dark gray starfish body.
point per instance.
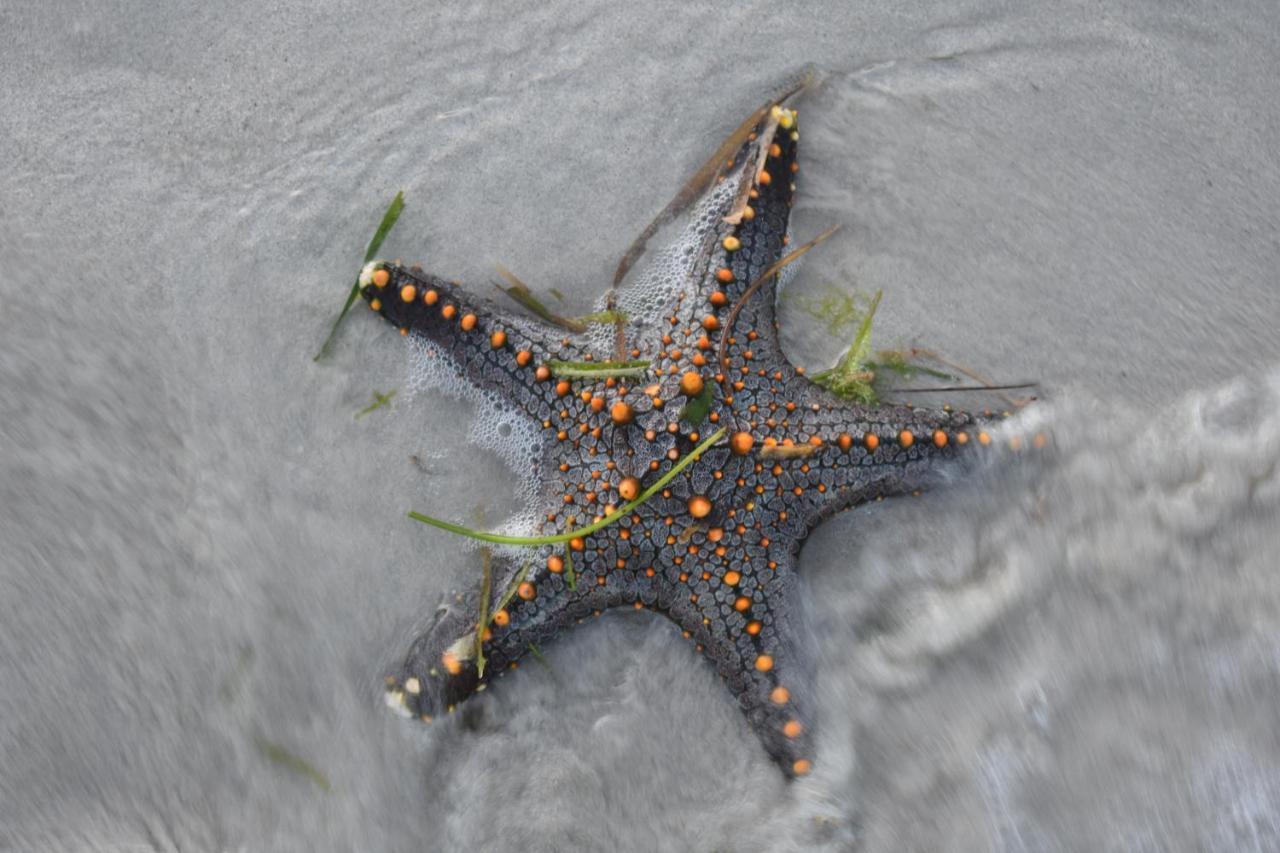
(715, 550)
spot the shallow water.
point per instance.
(203, 550)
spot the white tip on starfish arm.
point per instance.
(367, 271)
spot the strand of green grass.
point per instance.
(570, 576)
(512, 587)
(596, 369)
(520, 293)
(379, 400)
(486, 584)
(537, 655)
(277, 754)
(846, 378)
(388, 222)
(556, 538)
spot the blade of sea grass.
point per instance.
(521, 294)
(596, 369)
(277, 754)
(388, 222)
(379, 400)
(486, 585)
(556, 538)
(512, 587)
(570, 577)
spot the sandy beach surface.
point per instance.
(205, 568)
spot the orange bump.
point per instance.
(621, 413)
(845, 441)
(764, 663)
(543, 373)
(939, 438)
(555, 564)
(731, 577)
(451, 663)
(430, 297)
(710, 323)
(699, 506)
(792, 728)
(871, 441)
(468, 322)
(691, 384)
(502, 618)
(498, 339)
(408, 293)
(731, 243)
(753, 628)
(381, 277)
(524, 357)
(906, 439)
(741, 443)
(448, 312)
(375, 304)
(802, 767)
(562, 387)
(629, 488)
(743, 604)
(780, 695)
(764, 178)
(984, 439)
(724, 275)
(526, 591)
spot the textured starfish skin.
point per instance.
(726, 578)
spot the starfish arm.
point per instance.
(751, 210)
(747, 249)
(757, 214)
(859, 453)
(735, 603)
(749, 206)
(527, 607)
(491, 348)
(535, 604)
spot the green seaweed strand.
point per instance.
(388, 222)
(597, 369)
(557, 538)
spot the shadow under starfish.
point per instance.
(715, 548)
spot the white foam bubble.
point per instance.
(666, 272)
(498, 425)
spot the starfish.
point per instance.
(760, 455)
